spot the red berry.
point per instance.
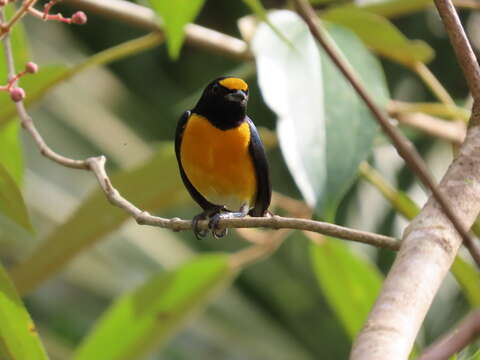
(17, 94)
(79, 18)
(31, 67)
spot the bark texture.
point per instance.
(429, 246)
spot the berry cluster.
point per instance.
(17, 93)
(78, 18)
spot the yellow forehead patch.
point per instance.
(233, 83)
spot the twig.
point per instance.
(451, 131)
(252, 254)
(467, 4)
(432, 82)
(463, 50)
(401, 143)
(460, 337)
(5, 28)
(145, 18)
(434, 109)
(428, 248)
(97, 166)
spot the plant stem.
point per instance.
(432, 82)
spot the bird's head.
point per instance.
(224, 101)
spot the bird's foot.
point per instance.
(217, 232)
(213, 224)
(199, 234)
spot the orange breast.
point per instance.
(218, 163)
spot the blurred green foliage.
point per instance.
(19, 338)
(141, 285)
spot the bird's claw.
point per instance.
(213, 226)
(199, 234)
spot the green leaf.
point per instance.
(35, 87)
(349, 283)
(155, 185)
(393, 8)
(175, 15)
(11, 201)
(469, 279)
(18, 337)
(147, 317)
(381, 35)
(350, 126)
(11, 155)
(324, 128)
(283, 73)
(51, 75)
(475, 356)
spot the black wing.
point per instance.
(264, 187)
(204, 203)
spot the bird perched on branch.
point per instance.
(221, 158)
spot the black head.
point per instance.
(224, 102)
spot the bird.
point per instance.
(221, 157)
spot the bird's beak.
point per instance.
(237, 96)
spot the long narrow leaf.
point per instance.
(146, 318)
(11, 155)
(11, 201)
(349, 283)
(18, 337)
(153, 186)
(324, 128)
(381, 35)
(176, 15)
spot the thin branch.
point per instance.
(27, 4)
(268, 244)
(453, 132)
(26, 120)
(432, 82)
(463, 50)
(467, 4)
(145, 18)
(97, 166)
(404, 147)
(455, 341)
(435, 109)
(428, 249)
